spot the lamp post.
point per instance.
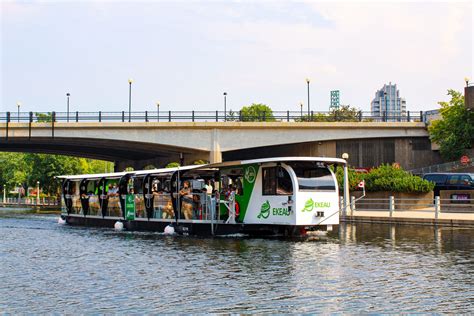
(301, 111)
(466, 79)
(37, 192)
(4, 193)
(19, 193)
(130, 99)
(18, 104)
(157, 111)
(67, 95)
(307, 83)
(345, 156)
(225, 106)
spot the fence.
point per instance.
(28, 202)
(444, 167)
(208, 116)
(421, 206)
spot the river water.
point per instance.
(46, 267)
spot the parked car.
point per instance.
(450, 181)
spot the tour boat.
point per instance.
(284, 196)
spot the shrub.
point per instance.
(386, 178)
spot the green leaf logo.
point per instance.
(264, 210)
(308, 206)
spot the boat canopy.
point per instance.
(277, 159)
(327, 160)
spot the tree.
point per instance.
(172, 165)
(345, 113)
(257, 112)
(454, 132)
(44, 168)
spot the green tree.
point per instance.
(257, 112)
(454, 132)
(44, 168)
(44, 117)
(13, 170)
(345, 113)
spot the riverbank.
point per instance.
(411, 217)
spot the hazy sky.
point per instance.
(185, 54)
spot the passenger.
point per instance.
(209, 187)
(187, 200)
(168, 211)
(114, 203)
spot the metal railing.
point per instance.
(406, 205)
(444, 167)
(29, 201)
(205, 116)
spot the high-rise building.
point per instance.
(388, 104)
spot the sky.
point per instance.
(185, 54)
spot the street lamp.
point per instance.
(130, 80)
(467, 81)
(157, 111)
(307, 83)
(225, 106)
(301, 111)
(19, 193)
(37, 192)
(18, 104)
(67, 95)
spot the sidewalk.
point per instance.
(412, 217)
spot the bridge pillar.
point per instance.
(215, 154)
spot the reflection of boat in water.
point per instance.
(287, 196)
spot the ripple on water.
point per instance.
(50, 268)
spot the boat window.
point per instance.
(276, 181)
(233, 180)
(313, 177)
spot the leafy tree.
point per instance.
(44, 117)
(454, 132)
(345, 113)
(13, 170)
(44, 168)
(257, 112)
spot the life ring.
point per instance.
(237, 209)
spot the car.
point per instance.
(450, 181)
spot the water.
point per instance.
(48, 268)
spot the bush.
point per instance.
(386, 178)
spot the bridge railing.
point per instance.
(209, 116)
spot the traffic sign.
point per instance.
(465, 160)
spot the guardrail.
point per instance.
(444, 167)
(430, 206)
(207, 116)
(29, 202)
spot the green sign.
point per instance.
(264, 210)
(276, 211)
(130, 207)
(310, 205)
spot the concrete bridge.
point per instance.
(138, 144)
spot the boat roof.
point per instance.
(207, 166)
(277, 159)
(120, 174)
